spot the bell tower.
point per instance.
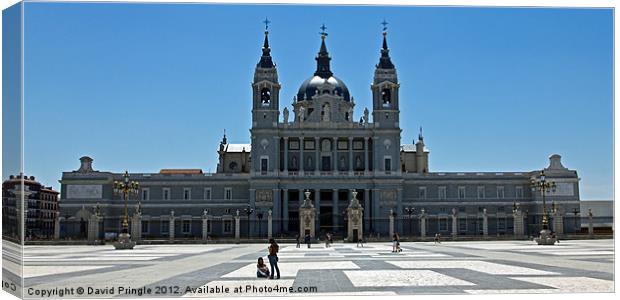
(265, 89)
(385, 89)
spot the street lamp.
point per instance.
(410, 211)
(248, 211)
(544, 187)
(259, 214)
(125, 188)
(575, 212)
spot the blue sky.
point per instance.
(150, 86)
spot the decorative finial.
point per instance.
(323, 33)
(266, 21)
(420, 137)
(384, 23)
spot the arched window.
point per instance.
(386, 97)
(265, 96)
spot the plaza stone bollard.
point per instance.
(205, 225)
(558, 222)
(136, 227)
(269, 224)
(93, 229)
(57, 226)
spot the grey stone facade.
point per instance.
(322, 148)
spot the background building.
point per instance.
(41, 211)
(316, 145)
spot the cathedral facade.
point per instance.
(317, 146)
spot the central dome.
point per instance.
(316, 83)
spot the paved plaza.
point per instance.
(344, 269)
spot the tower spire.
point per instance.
(385, 62)
(265, 60)
(322, 59)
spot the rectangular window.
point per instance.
(166, 194)
(388, 164)
(461, 192)
(264, 165)
(422, 192)
(186, 226)
(309, 145)
(228, 193)
(443, 224)
(500, 192)
(227, 226)
(343, 145)
(481, 192)
(207, 194)
(187, 193)
(442, 192)
(462, 225)
(165, 226)
(293, 145)
(358, 145)
(145, 226)
(145, 194)
(519, 192)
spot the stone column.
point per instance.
(205, 225)
(285, 154)
(454, 223)
(590, 223)
(93, 228)
(423, 224)
(335, 154)
(558, 222)
(302, 160)
(284, 218)
(171, 232)
(365, 154)
(376, 216)
(276, 163)
(317, 158)
(367, 208)
(485, 223)
(57, 226)
(317, 206)
(391, 217)
(276, 206)
(136, 227)
(237, 227)
(335, 215)
(351, 154)
(518, 223)
(269, 225)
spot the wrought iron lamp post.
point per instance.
(576, 213)
(125, 188)
(544, 186)
(248, 211)
(410, 211)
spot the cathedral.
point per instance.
(315, 151)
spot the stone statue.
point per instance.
(358, 162)
(294, 162)
(453, 211)
(309, 161)
(285, 113)
(302, 113)
(172, 213)
(326, 113)
(361, 120)
(350, 114)
(342, 162)
(204, 213)
(366, 115)
(86, 165)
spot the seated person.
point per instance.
(262, 271)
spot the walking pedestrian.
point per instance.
(394, 241)
(298, 242)
(436, 238)
(273, 257)
(307, 239)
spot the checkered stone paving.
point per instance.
(489, 267)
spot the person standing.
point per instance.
(273, 257)
(307, 239)
(394, 241)
(298, 242)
